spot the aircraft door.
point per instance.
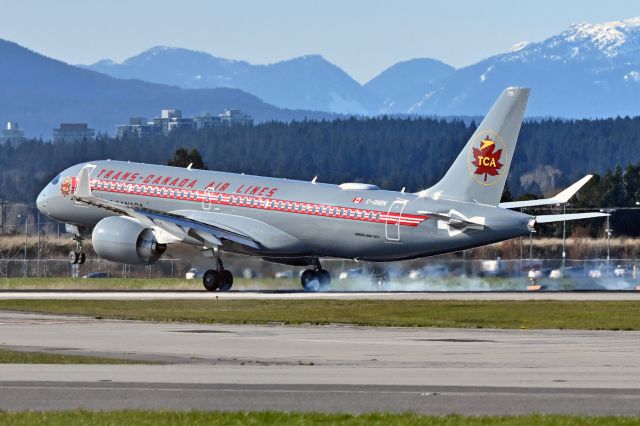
(206, 199)
(392, 224)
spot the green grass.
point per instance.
(66, 283)
(539, 314)
(194, 418)
(20, 357)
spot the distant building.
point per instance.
(138, 127)
(73, 132)
(235, 117)
(13, 133)
(207, 121)
(171, 120)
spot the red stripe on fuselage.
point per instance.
(246, 201)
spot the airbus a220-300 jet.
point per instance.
(136, 212)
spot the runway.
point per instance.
(295, 295)
(321, 368)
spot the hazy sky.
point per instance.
(361, 36)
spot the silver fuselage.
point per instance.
(322, 220)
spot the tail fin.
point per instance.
(479, 173)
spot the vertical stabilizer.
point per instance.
(479, 173)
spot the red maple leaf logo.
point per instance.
(487, 161)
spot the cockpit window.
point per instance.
(55, 180)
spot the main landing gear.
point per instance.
(218, 279)
(316, 279)
(77, 256)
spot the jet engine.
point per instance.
(125, 240)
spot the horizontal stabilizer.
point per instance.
(560, 198)
(548, 218)
(454, 218)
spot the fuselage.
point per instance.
(323, 220)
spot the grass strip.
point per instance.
(532, 314)
(20, 357)
(194, 418)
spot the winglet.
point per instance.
(565, 195)
(83, 187)
(560, 198)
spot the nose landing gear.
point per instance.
(316, 279)
(78, 256)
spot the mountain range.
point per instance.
(588, 70)
(39, 93)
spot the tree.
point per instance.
(182, 158)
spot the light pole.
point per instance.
(564, 235)
(38, 230)
(608, 232)
(26, 234)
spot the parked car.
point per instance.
(97, 275)
(193, 273)
(249, 273)
(351, 273)
(620, 271)
(556, 274)
(286, 274)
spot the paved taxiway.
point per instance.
(321, 368)
(267, 295)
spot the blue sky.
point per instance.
(362, 37)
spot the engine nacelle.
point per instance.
(125, 240)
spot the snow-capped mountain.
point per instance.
(308, 82)
(589, 70)
(585, 41)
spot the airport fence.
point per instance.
(412, 270)
(16, 268)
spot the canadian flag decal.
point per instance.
(357, 200)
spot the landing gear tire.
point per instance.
(325, 279)
(74, 257)
(316, 280)
(77, 256)
(218, 279)
(211, 280)
(226, 280)
(309, 280)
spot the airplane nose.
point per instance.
(41, 201)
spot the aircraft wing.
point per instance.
(169, 227)
(561, 198)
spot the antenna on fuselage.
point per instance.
(314, 180)
(189, 166)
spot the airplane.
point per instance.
(136, 212)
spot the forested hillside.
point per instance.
(392, 153)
